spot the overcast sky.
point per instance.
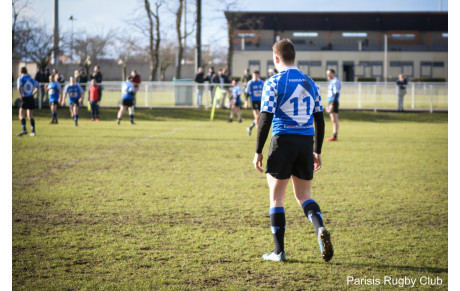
(103, 15)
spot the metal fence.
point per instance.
(186, 93)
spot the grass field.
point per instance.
(173, 202)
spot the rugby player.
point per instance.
(333, 94)
(291, 100)
(55, 92)
(254, 91)
(127, 96)
(75, 92)
(27, 88)
(236, 101)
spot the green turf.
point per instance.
(173, 202)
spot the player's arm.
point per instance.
(318, 118)
(20, 91)
(263, 129)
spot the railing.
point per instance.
(356, 95)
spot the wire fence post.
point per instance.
(413, 95)
(375, 98)
(359, 95)
(431, 98)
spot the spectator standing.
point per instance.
(41, 78)
(82, 79)
(98, 76)
(210, 78)
(27, 88)
(244, 81)
(94, 100)
(401, 91)
(135, 78)
(54, 90)
(199, 78)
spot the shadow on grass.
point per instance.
(162, 114)
(375, 266)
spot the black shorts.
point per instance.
(27, 103)
(336, 106)
(291, 155)
(255, 105)
(127, 102)
(53, 102)
(237, 104)
(74, 103)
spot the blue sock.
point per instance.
(278, 225)
(313, 212)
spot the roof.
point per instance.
(379, 21)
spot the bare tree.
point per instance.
(125, 47)
(236, 22)
(181, 36)
(153, 35)
(18, 26)
(91, 47)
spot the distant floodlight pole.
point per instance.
(198, 35)
(385, 57)
(71, 36)
(56, 34)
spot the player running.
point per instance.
(75, 92)
(254, 91)
(291, 100)
(27, 88)
(236, 101)
(55, 93)
(127, 96)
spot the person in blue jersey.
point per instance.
(254, 92)
(27, 88)
(127, 96)
(75, 92)
(333, 94)
(236, 101)
(54, 90)
(291, 102)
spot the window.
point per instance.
(305, 34)
(247, 35)
(426, 69)
(376, 69)
(254, 66)
(354, 34)
(403, 36)
(445, 35)
(408, 69)
(305, 66)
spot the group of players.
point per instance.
(28, 87)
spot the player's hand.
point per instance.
(258, 162)
(316, 161)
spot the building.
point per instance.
(358, 45)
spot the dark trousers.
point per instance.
(94, 109)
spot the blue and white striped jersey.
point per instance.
(74, 92)
(127, 90)
(27, 85)
(254, 89)
(334, 87)
(293, 97)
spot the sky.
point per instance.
(103, 15)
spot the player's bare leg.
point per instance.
(311, 209)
